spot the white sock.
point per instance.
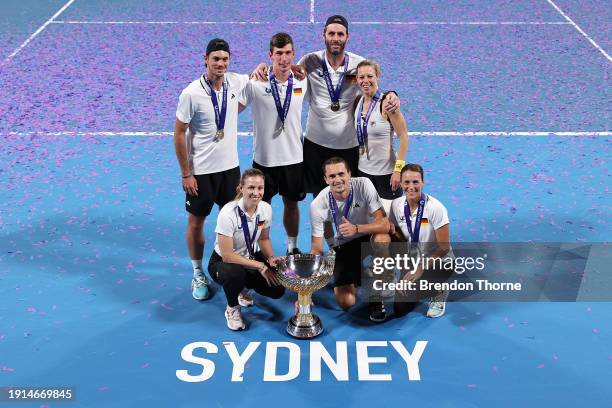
(197, 266)
(291, 243)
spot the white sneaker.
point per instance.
(245, 299)
(234, 318)
(437, 304)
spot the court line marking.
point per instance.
(312, 8)
(492, 133)
(40, 29)
(318, 22)
(585, 35)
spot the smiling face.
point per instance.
(252, 191)
(282, 58)
(412, 184)
(217, 63)
(335, 37)
(338, 178)
(367, 80)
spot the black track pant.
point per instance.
(234, 278)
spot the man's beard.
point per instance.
(340, 51)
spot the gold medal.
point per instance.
(220, 134)
(335, 106)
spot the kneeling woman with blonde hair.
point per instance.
(243, 251)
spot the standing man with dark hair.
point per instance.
(205, 140)
(277, 127)
(354, 207)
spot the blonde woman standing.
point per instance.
(375, 126)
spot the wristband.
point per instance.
(356, 229)
(399, 165)
(187, 176)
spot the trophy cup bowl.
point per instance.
(304, 274)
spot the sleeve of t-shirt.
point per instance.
(392, 217)
(245, 96)
(439, 217)
(185, 108)
(225, 224)
(268, 220)
(371, 196)
(243, 80)
(317, 217)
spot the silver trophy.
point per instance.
(304, 274)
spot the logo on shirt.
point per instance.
(268, 90)
(260, 225)
(187, 202)
(233, 96)
(424, 221)
(356, 205)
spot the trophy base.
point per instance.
(305, 331)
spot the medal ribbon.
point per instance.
(333, 205)
(414, 235)
(283, 110)
(362, 129)
(219, 114)
(334, 94)
(250, 240)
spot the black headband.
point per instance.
(337, 19)
(217, 44)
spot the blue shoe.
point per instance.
(199, 287)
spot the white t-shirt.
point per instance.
(379, 159)
(335, 130)
(435, 216)
(365, 202)
(230, 225)
(207, 154)
(274, 146)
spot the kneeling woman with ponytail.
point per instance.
(243, 248)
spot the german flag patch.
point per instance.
(424, 221)
(297, 91)
(261, 224)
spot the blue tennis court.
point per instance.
(508, 105)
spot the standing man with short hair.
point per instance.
(205, 140)
(277, 127)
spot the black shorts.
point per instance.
(315, 155)
(381, 183)
(214, 188)
(288, 181)
(348, 265)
